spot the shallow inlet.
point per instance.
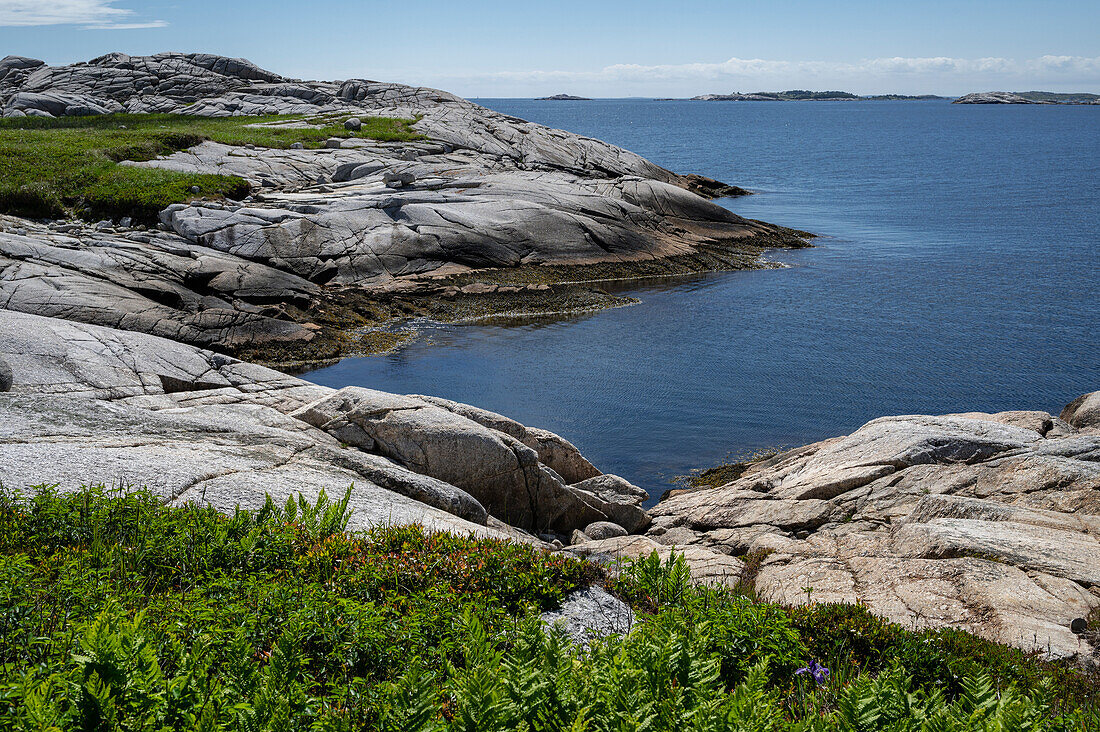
(931, 290)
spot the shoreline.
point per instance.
(356, 322)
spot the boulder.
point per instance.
(590, 614)
(618, 498)
(5, 375)
(353, 124)
(396, 179)
(612, 488)
(603, 530)
(501, 472)
(561, 456)
(1084, 411)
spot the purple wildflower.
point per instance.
(815, 669)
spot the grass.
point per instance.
(68, 166)
(118, 613)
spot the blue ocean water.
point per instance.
(958, 269)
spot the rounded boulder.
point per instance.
(603, 530)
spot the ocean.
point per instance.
(957, 269)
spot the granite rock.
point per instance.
(598, 530)
(985, 522)
(481, 190)
(1083, 412)
(591, 614)
(90, 404)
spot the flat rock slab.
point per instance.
(707, 567)
(986, 522)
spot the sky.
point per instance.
(521, 48)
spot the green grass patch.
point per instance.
(51, 168)
(118, 613)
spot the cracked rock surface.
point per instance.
(482, 190)
(91, 405)
(985, 522)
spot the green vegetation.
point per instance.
(118, 613)
(50, 168)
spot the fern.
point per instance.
(413, 704)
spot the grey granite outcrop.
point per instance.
(93, 405)
(482, 190)
(985, 522)
(208, 85)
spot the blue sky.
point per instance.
(593, 48)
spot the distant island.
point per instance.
(801, 95)
(563, 98)
(1028, 97)
(904, 97)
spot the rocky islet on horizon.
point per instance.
(802, 95)
(563, 98)
(1032, 97)
(110, 369)
(798, 95)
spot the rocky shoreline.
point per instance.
(117, 362)
(985, 522)
(353, 235)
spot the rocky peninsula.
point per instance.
(337, 238)
(117, 360)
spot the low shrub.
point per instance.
(120, 613)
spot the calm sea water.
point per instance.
(958, 270)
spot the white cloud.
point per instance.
(939, 74)
(91, 14)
